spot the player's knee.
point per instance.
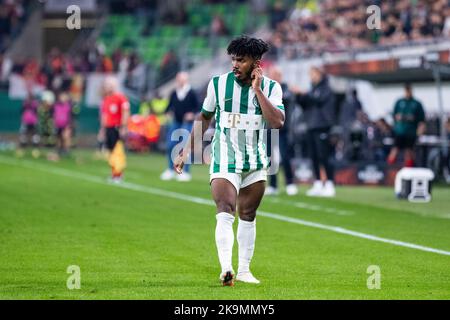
(247, 214)
(225, 206)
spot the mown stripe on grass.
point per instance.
(181, 196)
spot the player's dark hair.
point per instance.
(246, 46)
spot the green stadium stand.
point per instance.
(125, 31)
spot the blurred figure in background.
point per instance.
(45, 111)
(383, 137)
(159, 106)
(350, 116)
(62, 119)
(319, 111)
(170, 65)
(29, 125)
(409, 123)
(351, 108)
(285, 144)
(145, 106)
(183, 105)
(115, 111)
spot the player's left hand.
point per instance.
(178, 163)
(257, 76)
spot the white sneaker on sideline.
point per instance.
(328, 189)
(167, 175)
(291, 190)
(316, 189)
(247, 277)
(184, 177)
(270, 191)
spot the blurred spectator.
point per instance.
(318, 108)
(183, 105)
(114, 114)
(383, 137)
(159, 105)
(104, 64)
(155, 104)
(409, 122)
(446, 29)
(277, 13)
(5, 68)
(218, 27)
(62, 119)
(45, 111)
(170, 65)
(350, 115)
(174, 12)
(136, 73)
(285, 143)
(350, 109)
(29, 123)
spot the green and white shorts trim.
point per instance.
(241, 180)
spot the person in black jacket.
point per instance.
(319, 111)
(183, 106)
(284, 145)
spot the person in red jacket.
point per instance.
(114, 114)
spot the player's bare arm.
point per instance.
(273, 115)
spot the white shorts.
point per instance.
(241, 180)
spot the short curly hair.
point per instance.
(247, 46)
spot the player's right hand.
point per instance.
(178, 164)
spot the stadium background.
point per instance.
(145, 43)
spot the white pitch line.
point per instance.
(176, 195)
(311, 207)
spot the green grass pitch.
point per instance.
(150, 239)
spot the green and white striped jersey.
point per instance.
(238, 144)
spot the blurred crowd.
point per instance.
(58, 67)
(12, 14)
(337, 25)
(315, 26)
(48, 121)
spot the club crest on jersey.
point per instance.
(256, 102)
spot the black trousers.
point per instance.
(286, 154)
(319, 150)
(112, 136)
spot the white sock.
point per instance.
(225, 240)
(246, 235)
